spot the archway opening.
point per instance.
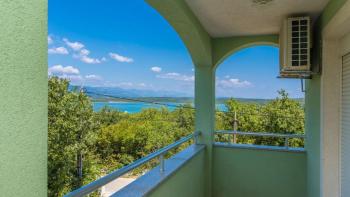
(121, 84)
(252, 99)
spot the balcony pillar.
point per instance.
(23, 100)
(205, 116)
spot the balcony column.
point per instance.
(205, 115)
(23, 101)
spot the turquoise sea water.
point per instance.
(133, 107)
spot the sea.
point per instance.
(135, 107)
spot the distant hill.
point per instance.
(96, 93)
(132, 93)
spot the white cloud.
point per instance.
(176, 76)
(233, 83)
(142, 84)
(72, 78)
(84, 52)
(81, 80)
(61, 70)
(120, 58)
(76, 46)
(49, 40)
(93, 77)
(156, 69)
(89, 60)
(58, 50)
(83, 55)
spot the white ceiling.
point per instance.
(224, 18)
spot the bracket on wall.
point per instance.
(295, 75)
(302, 85)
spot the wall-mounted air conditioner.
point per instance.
(295, 44)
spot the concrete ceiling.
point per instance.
(225, 18)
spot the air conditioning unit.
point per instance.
(295, 44)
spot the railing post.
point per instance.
(161, 165)
(235, 129)
(286, 142)
(195, 138)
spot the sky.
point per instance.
(127, 44)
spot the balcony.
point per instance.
(211, 32)
(234, 170)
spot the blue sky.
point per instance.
(127, 44)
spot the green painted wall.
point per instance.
(313, 103)
(258, 173)
(329, 11)
(312, 127)
(186, 182)
(23, 106)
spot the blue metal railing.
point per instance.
(93, 186)
(263, 134)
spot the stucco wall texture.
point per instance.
(258, 173)
(188, 181)
(23, 96)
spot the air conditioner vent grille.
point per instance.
(299, 41)
(295, 44)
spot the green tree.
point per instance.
(108, 116)
(183, 116)
(135, 137)
(281, 115)
(70, 137)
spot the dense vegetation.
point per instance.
(84, 145)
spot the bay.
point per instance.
(135, 107)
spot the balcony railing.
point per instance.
(286, 137)
(95, 185)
